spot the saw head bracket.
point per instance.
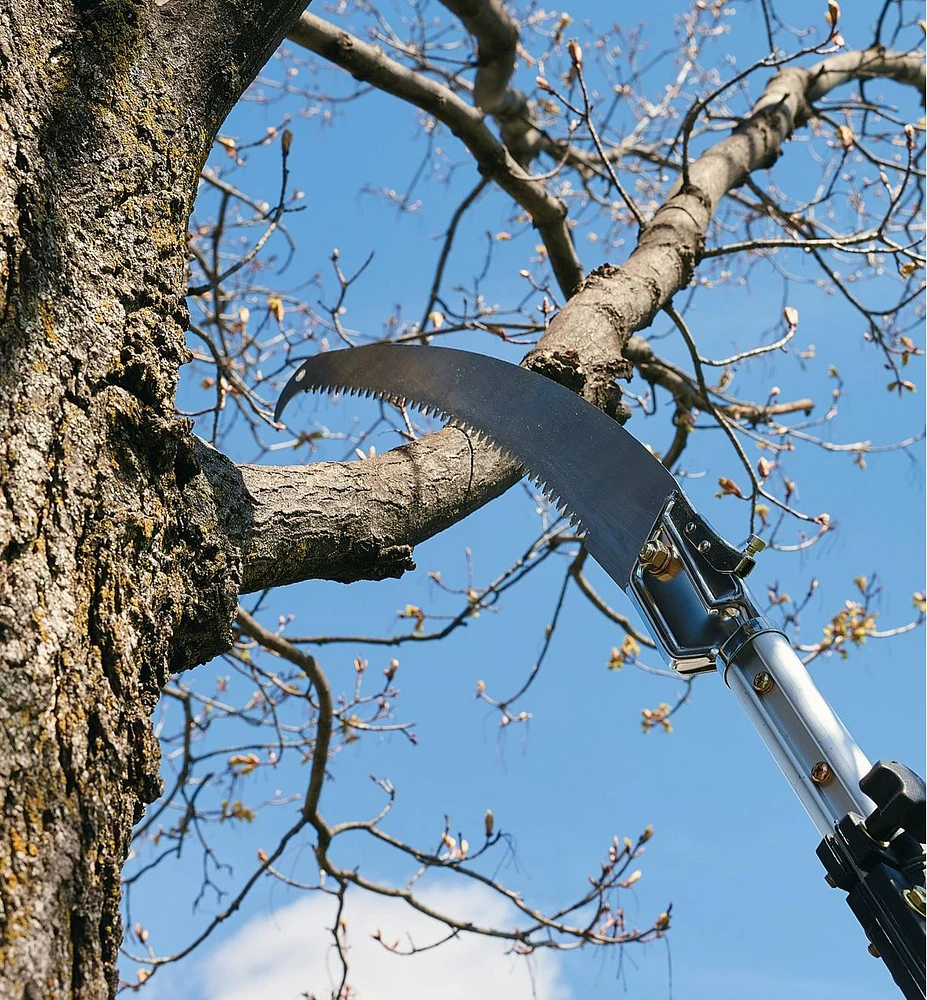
(693, 610)
(700, 536)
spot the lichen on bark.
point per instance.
(114, 568)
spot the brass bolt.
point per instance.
(873, 951)
(821, 773)
(916, 899)
(660, 560)
(762, 682)
(754, 544)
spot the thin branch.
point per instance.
(368, 63)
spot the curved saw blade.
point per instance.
(583, 459)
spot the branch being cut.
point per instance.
(350, 521)
(616, 301)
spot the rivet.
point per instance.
(762, 682)
(821, 773)
(873, 951)
(690, 527)
(829, 879)
(704, 546)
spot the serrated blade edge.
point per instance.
(599, 472)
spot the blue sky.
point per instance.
(732, 849)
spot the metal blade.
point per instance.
(585, 460)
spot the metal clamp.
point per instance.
(746, 633)
(688, 585)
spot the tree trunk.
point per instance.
(113, 570)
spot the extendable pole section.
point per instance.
(810, 744)
(871, 818)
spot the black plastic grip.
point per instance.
(899, 794)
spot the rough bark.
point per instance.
(114, 569)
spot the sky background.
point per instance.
(732, 850)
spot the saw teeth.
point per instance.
(431, 410)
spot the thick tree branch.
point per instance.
(370, 64)
(221, 46)
(615, 302)
(349, 521)
(496, 37)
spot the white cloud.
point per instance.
(289, 955)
